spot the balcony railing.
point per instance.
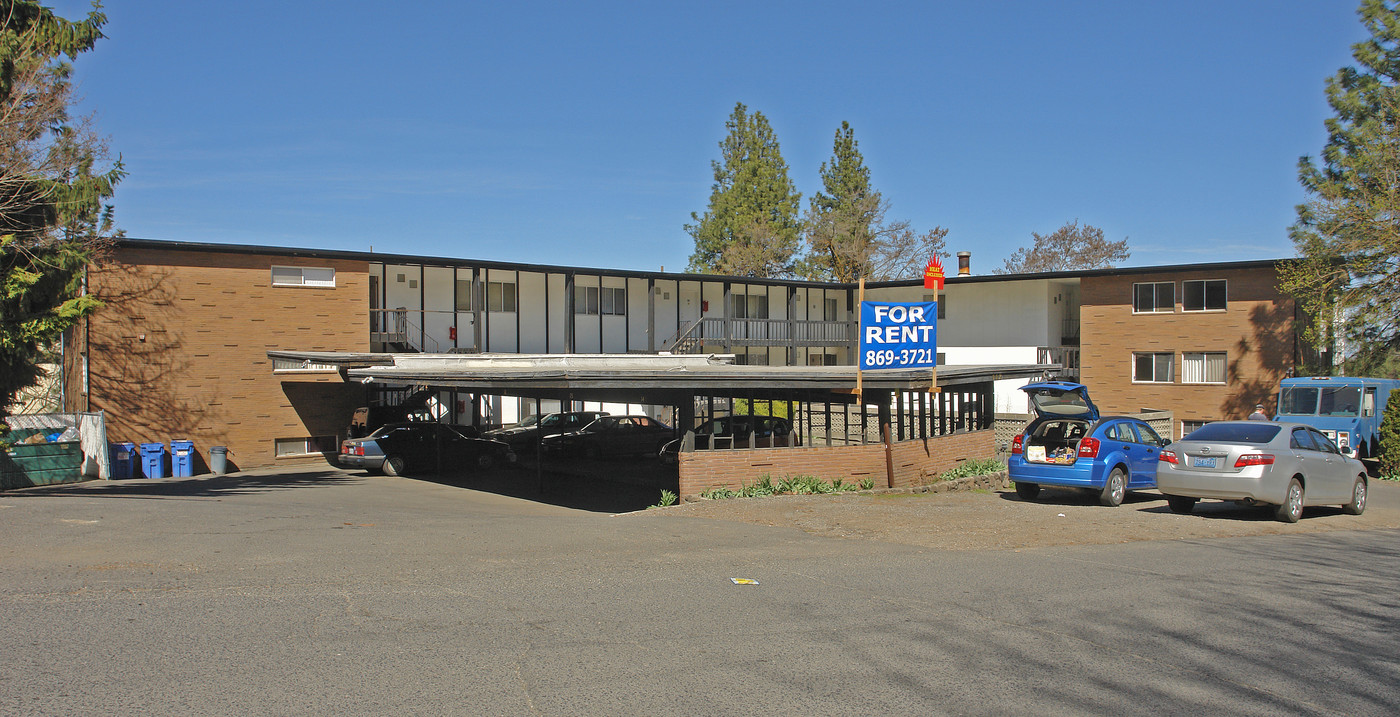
(1066, 356)
(761, 332)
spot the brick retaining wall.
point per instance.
(914, 462)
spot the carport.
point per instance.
(838, 428)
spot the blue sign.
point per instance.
(894, 335)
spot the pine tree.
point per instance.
(52, 215)
(846, 234)
(1389, 452)
(751, 226)
(1346, 234)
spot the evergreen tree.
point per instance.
(52, 215)
(751, 226)
(1389, 453)
(1346, 234)
(846, 234)
(1068, 248)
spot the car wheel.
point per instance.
(485, 461)
(1114, 488)
(1180, 503)
(394, 466)
(1358, 497)
(1027, 491)
(1292, 508)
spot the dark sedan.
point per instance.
(403, 448)
(613, 436)
(737, 432)
(522, 436)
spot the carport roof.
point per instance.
(531, 374)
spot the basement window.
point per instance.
(313, 446)
(303, 276)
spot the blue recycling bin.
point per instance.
(123, 460)
(181, 459)
(153, 460)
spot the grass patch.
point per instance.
(787, 485)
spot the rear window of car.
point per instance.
(1255, 432)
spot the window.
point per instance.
(942, 300)
(303, 276)
(1189, 426)
(1208, 295)
(1302, 439)
(1203, 367)
(284, 365)
(609, 301)
(1147, 435)
(464, 294)
(750, 306)
(500, 296)
(1152, 367)
(829, 309)
(287, 447)
(1154, 298)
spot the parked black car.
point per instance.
(612, 436)
(523, 435)
(403, 448)
(734, 431)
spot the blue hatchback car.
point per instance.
(1069, 445)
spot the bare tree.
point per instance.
(1070, 247)
(859, 242)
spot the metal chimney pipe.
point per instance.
(964, 263)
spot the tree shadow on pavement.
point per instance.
(205, 486)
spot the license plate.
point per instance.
(1204, 462)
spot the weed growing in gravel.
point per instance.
(787, 485)
(667, 498)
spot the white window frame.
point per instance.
(1156, 355)
(1204, 307)
(288, 447)
(1156, 309)
(297, 276)
(1204, 358)
(1193, 423)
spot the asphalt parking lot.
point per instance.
(323, 591)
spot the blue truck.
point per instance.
(1346, 409)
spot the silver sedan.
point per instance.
(1287, 465)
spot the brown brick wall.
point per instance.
(913, 461)
(201, 372)
(1255, 330)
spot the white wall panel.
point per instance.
(532, 312)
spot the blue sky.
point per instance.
(582, 133)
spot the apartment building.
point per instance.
(181, 346)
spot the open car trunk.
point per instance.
(1056, 441)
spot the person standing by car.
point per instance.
(1258, 414)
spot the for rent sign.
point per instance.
(898, 335)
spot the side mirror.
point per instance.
(1164, 442)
